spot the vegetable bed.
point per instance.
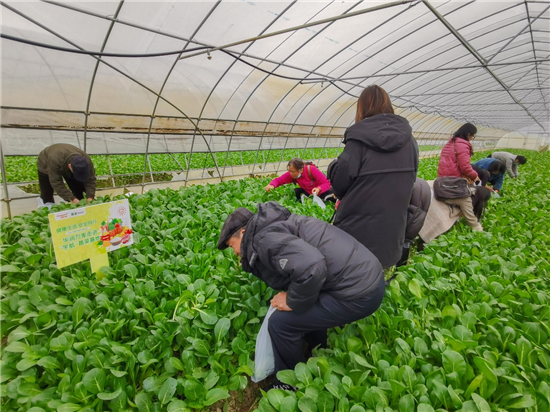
(172, 324)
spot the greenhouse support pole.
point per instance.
(4, 179)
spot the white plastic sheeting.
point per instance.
(254, 74)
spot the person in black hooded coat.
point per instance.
(374, 176)
(326, 277)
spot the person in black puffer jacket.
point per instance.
(374, 176)
(326, 277)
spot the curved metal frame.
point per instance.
(512, 98)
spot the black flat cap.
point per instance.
(81, 170)
(234, 222)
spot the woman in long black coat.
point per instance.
(374, 176)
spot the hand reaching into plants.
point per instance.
(76, 201)
(269, 187)
(89, 200)
(279, 302)
(316, 191)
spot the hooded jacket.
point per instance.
(305, 256)
(456, 164)
(54, 161)
(374, 177)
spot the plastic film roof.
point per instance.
(228, 71)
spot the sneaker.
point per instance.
(282, 386)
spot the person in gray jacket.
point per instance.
(511, 161)
(63, 161)
(416, 214)
(326, 278)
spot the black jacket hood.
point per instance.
(267, 214)
(385, 132)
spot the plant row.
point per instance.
(172, 324)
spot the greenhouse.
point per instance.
(190, 110)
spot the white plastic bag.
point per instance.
(318, 201)
(264, 361)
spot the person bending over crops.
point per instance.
(455, 162)
(490, 171)
(511, 161)
(416, 214)
(309, 179)
(64, 161)
(326, 278)
(374, 176)
(442, 216)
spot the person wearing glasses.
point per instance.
(455, 162)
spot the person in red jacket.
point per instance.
(455, 162)
(310, 179)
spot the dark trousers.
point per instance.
(46, 189)
(289, 330)
(327, 196)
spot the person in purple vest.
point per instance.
(309, 179)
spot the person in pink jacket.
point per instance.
(456, 154)
(455, 162)
(310, 179)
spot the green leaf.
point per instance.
(523, 348)
(287, 376)
(94, 380)
(289, 404)
(275, 397)
(354, 344)
(221, 329)
(406, 403)
(453, 362)
(144, 356)
(415, 288)
(144, 403)
(211, 379)
(193, 389)
(167, 391)
(69, 407)
(117, 373)
(79, 307)
(49, 362)
(201, 347)
(306, 404)
(9, 269)
(420, 347)
(17, 347)
(485, 368)
(481, 403)
(526, 401)
(208, 317)
(473, 386)
(25, 364)
(18, 333)
(214, 395)
(303, 374)
(177, 406)
(325, 402)
(357, 408)
(424, 407)
(109, 396)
